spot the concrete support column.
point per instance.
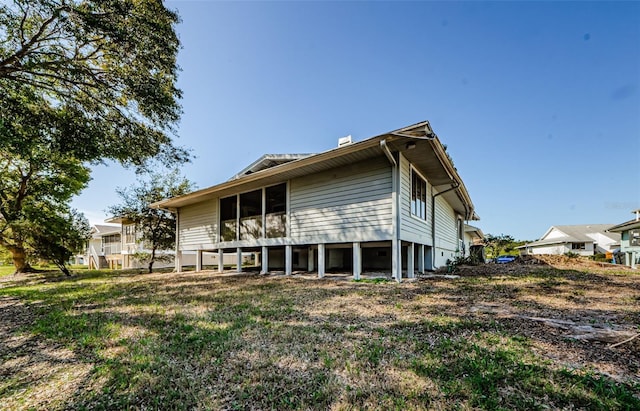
(411, 272)
(396, 260)
(321, 253)
(239, 259)
(421, 258)
(357, 261)
(264, 256)
(178, 261)
(288, 260)
(220, 260)
(310, 260)
(198, 261)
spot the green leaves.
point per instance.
(81, 81)
(104, 72)
(156, 227)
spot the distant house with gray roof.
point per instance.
(586, 239)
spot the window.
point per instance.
(418, 195)
(111, 244)
(250, 218)
(578, 246)
(251, 215)
(228, 215)
(130, 234)
(276, 210)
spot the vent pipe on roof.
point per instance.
(343, 141)
(637, 214)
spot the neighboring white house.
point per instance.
(587, 239)
(104, 247)
(393, 203)
(473, 242)
(117, 246)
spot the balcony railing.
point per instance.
(114, 248)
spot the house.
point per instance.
(586, 240)
(104, 247)
(473, 243)
(630, 240)
(118, 246)
(392, 203)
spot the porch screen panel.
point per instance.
(228, 216)
(251, 215)
(276, 211)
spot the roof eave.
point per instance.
(418, 132)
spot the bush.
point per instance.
(571, 254)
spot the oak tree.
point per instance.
(81, 82)
(155, 228)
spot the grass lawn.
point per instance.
(105, 340)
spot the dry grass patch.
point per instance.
(205, 341)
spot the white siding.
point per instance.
(412, 228)
(446, 232)
(346, 204)
(554, 233)
(560, 249)
(553, 249)
(198, 226)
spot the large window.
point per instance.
(418, 195)
(248, 225)
(276, 210)
(111, 244)
(228, 217)
(251, 215)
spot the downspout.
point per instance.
(433, 221)
(395, 226)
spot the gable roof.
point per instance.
(268, 161)
(418, 143)
(99, 230)
(575, 234)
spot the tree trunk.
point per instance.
(152, 260)
(19, 259)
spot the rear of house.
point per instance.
(391, 203)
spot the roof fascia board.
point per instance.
(314, 159)
(624, 226)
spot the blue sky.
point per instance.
(538, 102)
